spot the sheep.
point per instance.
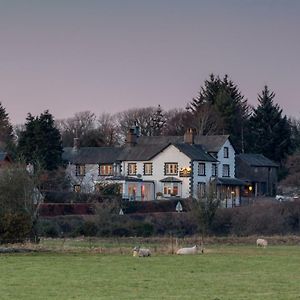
(191, 250)
(261, 243)
(141, 252)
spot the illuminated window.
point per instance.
(201, 169)
(105, 170)
(171, 168)
(171, 189)
(148, 168)
(77, 188)
(131, 169)
(80, 170)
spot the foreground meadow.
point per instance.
(223, 272)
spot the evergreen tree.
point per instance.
(231, 111)
(40, 142)
(271, 132)
(6, 131)
(158, 121)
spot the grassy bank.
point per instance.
(223, 272)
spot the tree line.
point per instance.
(218, 108)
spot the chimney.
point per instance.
(76, 144)
(131, 138)
(189, 136)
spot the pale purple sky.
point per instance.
(107, 56)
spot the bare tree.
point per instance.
(141, 117)
(177, 121)
(108, 129)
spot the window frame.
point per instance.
(227, 174)
(150, 165)
(101, 166)
(167, 168)
(226, 152)
(130, 171)
(80, 169)
(214, 170)
(203, 169)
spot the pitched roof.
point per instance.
(195, 152)
(230, 181)
(140, 152)
(91, 155)
(210, 143)
(256, 160)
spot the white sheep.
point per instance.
(261, 243)
(141, 252)
(190, 250)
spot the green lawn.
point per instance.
(229, 272)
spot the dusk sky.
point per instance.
(107, 56)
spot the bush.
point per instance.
(15, 227)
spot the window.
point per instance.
(80, 170)
(226, 152)
(201, 169)
(148, 167)
(105, 170)
(214, 170)
(201, 189)
(77, 188)
(226, 171)
(171, 189)
(131, 169)
(171, 168)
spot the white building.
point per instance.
(149, 168)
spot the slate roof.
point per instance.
(230, 181)
(145, 149)
(195, 152)
(140, 152)
(92, 155)
(256, 160)
(210, 143)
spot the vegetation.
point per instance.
(19, 198)
(40, 142)
(224, 272)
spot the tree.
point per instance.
(6, 131)
(40, 142)
(19, 203)
(158, 122)
(140, 117)
(177, 121)
(204, 208)
(220, 108)
(271, 133)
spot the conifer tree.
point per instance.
(231, 111)
(271, 132)
(6, 131)
(40, 142)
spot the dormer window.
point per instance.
(226, 152)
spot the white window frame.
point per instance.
(226, 152)
(131, 169)
(148, 169)
(171, 168)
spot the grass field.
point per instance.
(227, 272)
